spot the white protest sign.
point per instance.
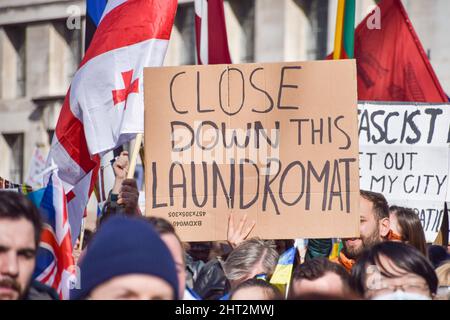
(37, 166)
(404, 154)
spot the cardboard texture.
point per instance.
(276, 141)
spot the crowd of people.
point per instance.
(130, 256)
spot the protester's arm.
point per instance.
(236, 235)
(124, 192)
(120, 168)
(318, 248)
(129, 197)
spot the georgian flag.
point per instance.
(104, 106)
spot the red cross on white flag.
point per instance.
(132, 35)
(121, 95)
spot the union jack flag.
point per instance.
(54, 262)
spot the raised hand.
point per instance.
(237, 236)
(120, 168)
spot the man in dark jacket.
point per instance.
(211, 282)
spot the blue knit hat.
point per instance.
(124, 245)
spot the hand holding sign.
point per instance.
(236, 236)
(129, 196)
(120, 168)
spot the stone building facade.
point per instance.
(42, 42)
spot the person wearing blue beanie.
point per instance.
(126, 259)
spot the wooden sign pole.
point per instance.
(134, 155)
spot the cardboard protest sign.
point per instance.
(404, 154)
(276, 141)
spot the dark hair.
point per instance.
(110, 208)
(380, 205)
(162, 226)
(316, 268)
(14, 205)
(88, 234)
(412, 230)
(401, 255)
(270, 290)
(437, 255)
(200, 251)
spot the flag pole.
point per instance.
(338, 32)
(142, 155)
(83, 227)
(134, 155)
(288, 287)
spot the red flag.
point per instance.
(211, 33)
(392, 64)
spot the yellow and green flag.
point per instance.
(344, 39)
(336, 249)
